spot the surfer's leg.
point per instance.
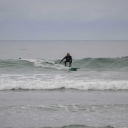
(70, 63)
(65, 63)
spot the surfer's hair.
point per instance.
(68, 54)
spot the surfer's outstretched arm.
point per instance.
(62, 59)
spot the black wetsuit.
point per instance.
(68, 59)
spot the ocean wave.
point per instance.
(119, 64)
(103, 63)
(84, 126)
(80, 126)
(31, 64)
(57, 82)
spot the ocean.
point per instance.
(38, 92)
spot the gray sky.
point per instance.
(63, 19)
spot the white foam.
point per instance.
(43, 81)
(47, 64)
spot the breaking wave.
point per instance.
(119, 64)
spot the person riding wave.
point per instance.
(68, 58)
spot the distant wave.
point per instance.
(120, 64)
(81, 126)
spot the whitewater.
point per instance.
(40, 74)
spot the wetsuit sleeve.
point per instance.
(62, 59)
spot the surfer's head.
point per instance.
(68, 54)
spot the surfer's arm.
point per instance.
(62, 59)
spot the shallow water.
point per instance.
(60, 108)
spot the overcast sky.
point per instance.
(63, 19)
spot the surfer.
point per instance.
(68, 58)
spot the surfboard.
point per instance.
(73, 69)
